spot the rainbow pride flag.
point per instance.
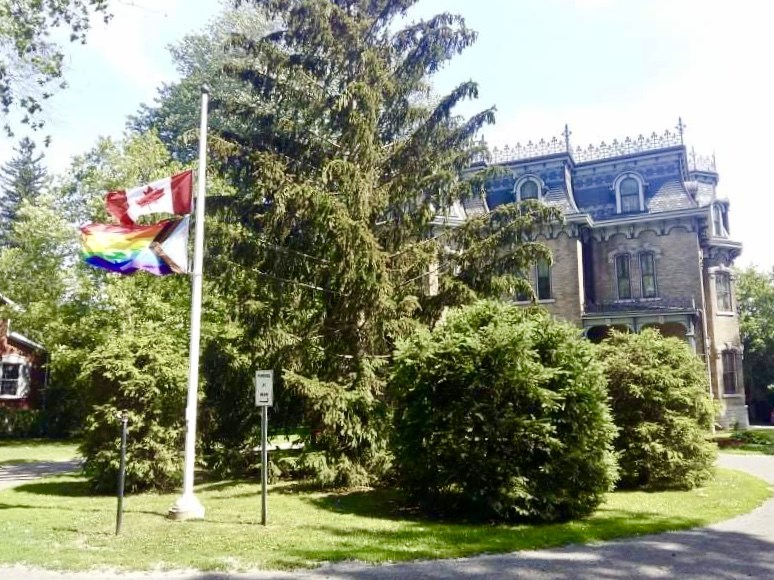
(160, 248)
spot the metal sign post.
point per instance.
(124, 417)
(264, 398)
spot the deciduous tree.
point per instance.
(31, 62)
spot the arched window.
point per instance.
(528, 187)
(623, 277)
(529, 190)
(629, 197)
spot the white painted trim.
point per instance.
(524, 179)
(617, 188)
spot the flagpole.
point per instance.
(188, 506)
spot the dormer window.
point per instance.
(528, 187)
(629, 196)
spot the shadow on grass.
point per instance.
(383, 503)
(427, 540)
(17, 462)
(691, 555)
(76, 488)
(389, 504)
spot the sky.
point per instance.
(607, 68)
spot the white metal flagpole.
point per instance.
(188, 506)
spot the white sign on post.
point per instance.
(264, 388)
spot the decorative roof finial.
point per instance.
(680, 129)
(567, 134)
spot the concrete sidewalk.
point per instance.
(739, 548)
(18, 473)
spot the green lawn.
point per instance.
(30, 450)
(56, 523)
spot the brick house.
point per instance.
(22, 373)
(645, 243)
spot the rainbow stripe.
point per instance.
(160, 248)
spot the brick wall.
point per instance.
(678, 267)
(566, 278)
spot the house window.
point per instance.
(523, 295)
(648, 274)
(543, 270)
(731, 365)
(623, 277)
(630, 195)
(9, 381)
(528, 187)
(528, 190)
(723, 291)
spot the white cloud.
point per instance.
(131, 41)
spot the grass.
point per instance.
(14, 451)
(55, 523)
(749, 442)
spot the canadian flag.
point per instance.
(168, 195)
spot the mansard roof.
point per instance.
(582, 180)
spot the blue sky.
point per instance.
(608, 68)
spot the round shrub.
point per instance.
(501, 414)
(661, 406)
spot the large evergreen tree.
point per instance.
(342, 158)
(23, 177)
(201, 59)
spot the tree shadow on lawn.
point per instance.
(698, 554)
(74, 488)
(389, 504)
(416, 540)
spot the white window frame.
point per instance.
(22, 382)
(528, 178)
(617, 187)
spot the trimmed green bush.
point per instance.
(661, 405)
(501, 413)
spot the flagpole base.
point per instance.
(187, 507)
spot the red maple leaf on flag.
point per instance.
(149, 196)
